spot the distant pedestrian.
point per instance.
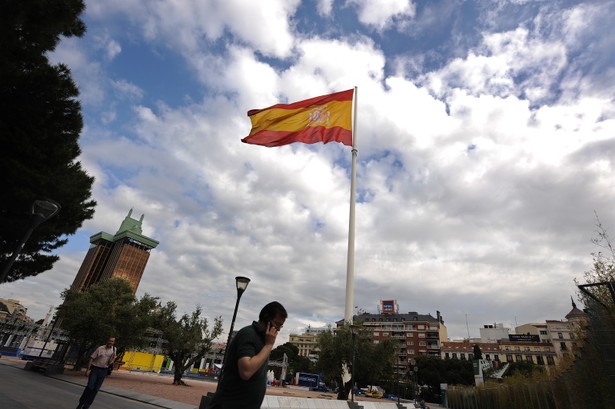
(98, 366)
(244, 376)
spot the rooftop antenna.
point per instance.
(467, 326)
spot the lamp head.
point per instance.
(241, 283)
(43, 210)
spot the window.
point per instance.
(376, 334)
(385, 334)
(496, 357)
(509, 358)
(410, 342)
(527, 349)
(454, 355)
(563, 346)
(560, 335)
(550, 360)
(540, 360)
(517, 348)
(543, 332)
(420, 327)
(528, 358)
(422, 344)
(487, 357)
(463, 356)
(421, 335)
(518, 358)
(446, 355)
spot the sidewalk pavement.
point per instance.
(139, 397)
(276, 401)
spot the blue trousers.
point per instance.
(95, 381)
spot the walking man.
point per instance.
(244, 379)
(99, 363)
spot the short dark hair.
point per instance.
(272, 310)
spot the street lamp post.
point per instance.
(414, 370)
(42, 210)
(241, 283)
(353, 368)
(398, 365)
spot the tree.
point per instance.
(434, 371)
(296, 363)
(187, 339)
(373, 362)
(603, 269)
(521, 372)
(107, 308)
(588, 379)
(40, 123)
(478, 354)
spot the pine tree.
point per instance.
(40, 124)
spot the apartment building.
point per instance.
(418, 334)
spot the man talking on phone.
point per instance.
(244, 377)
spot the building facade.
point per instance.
(528, 348)
(418, 334)
(123, 255)
(12, 309)
(464, 350)
(307, 342)
(492, 333)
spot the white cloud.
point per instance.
(191, 25)
(113, 49)
(506, 63)
(127, 89)
(325, 7)
(380, 15)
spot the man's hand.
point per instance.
(87, 372)
(271, 334)
(249, 365)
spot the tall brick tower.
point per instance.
(123, 255)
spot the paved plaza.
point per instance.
(21, 389)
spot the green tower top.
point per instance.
(130, 224)
(130, 228)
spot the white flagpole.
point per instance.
(353, 180)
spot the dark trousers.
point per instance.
(95, 381)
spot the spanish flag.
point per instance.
(325, 119)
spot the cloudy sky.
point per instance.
(485, 133)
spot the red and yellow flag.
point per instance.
(325, 119)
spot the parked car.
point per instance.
(374, 392)
(322, 387)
